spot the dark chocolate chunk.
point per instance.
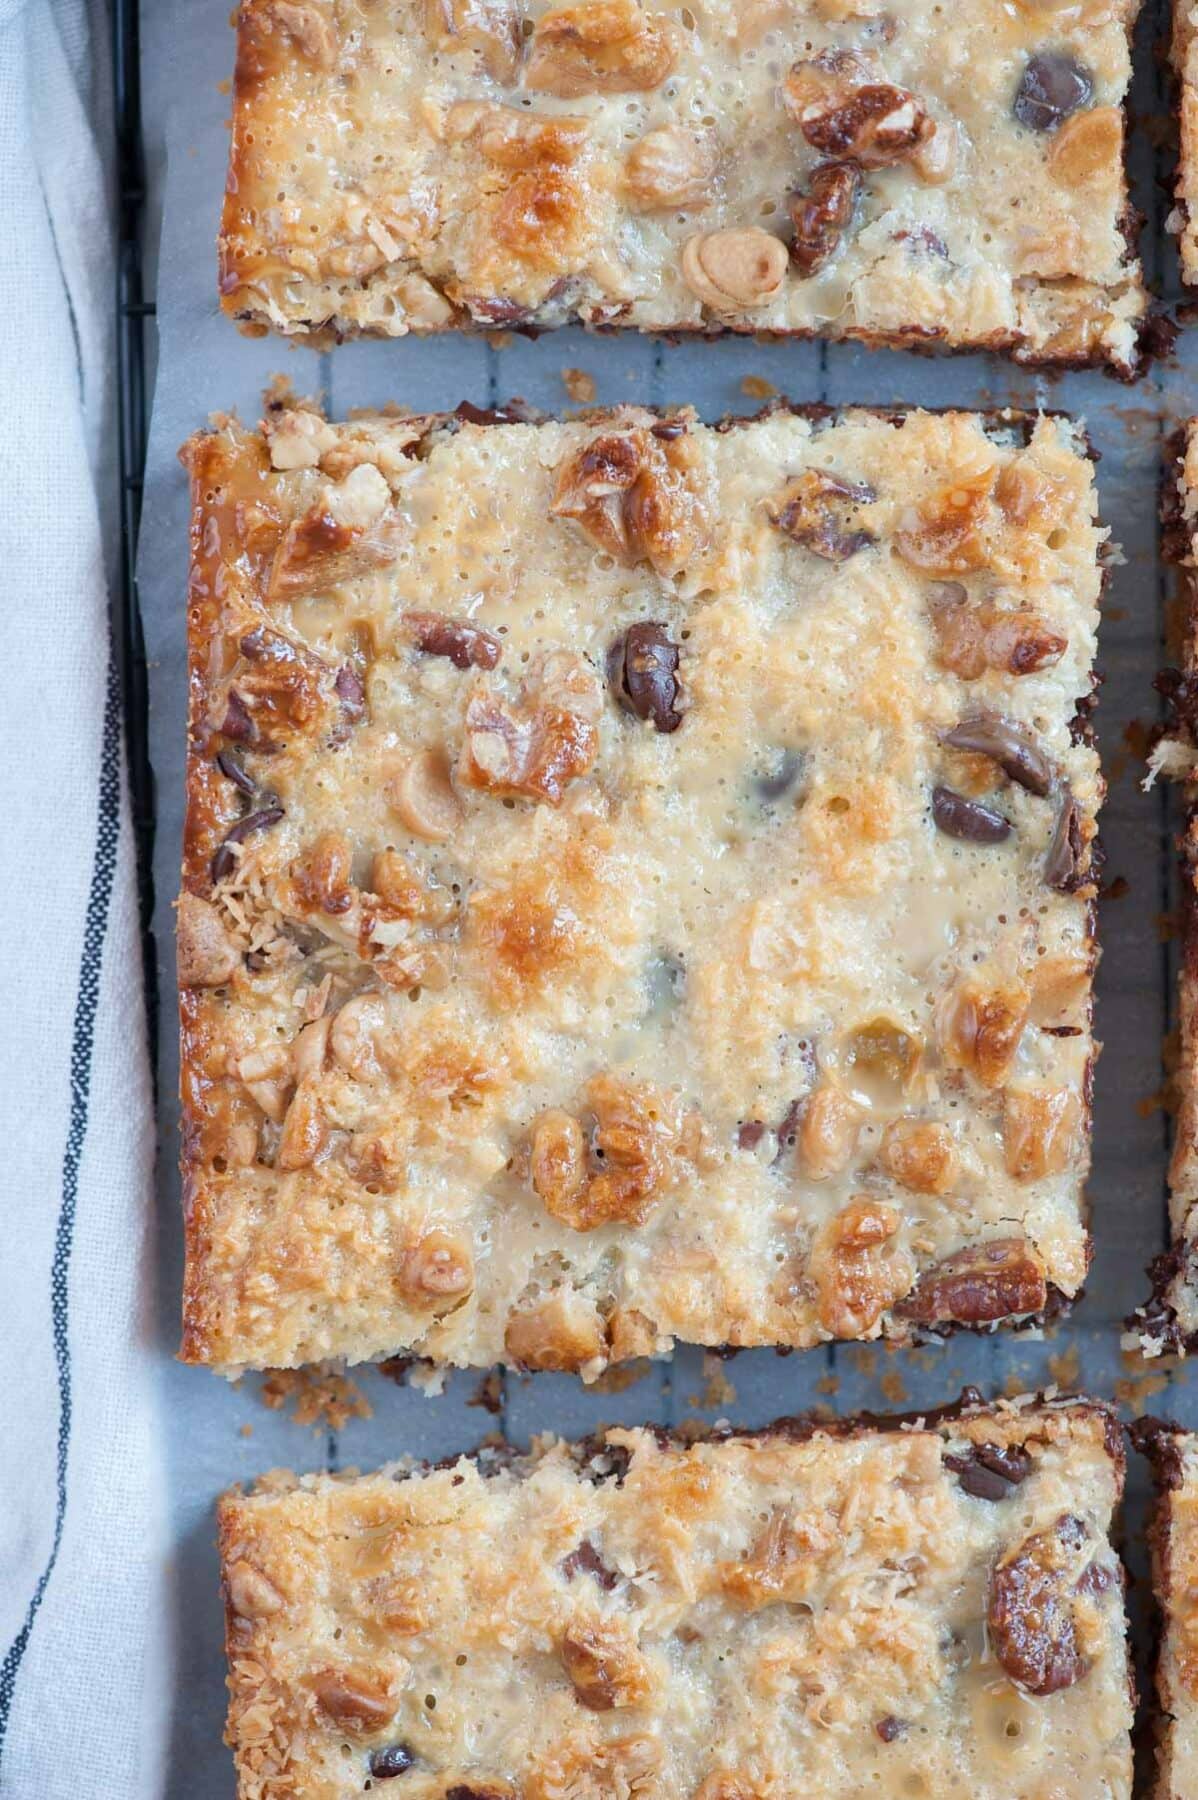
(643, 670)
(586, 1560)
(232, 770)
(1062, 862)
(989, 1471)
(1008, 744)
(396, 1759)
(967, 819)
(224, 861)
(1052, 86)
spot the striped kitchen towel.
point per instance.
(83, 1651)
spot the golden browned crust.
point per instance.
(805, 1609)
(430, 164)
(555, 984)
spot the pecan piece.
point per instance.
(980, 1027)
(946, 533)
(635, 1142)
(811, 509)
(352, 529)
(637, 495)
(1039, 1131)
(827, 1133)
(979, 1285)
(740, 267)
(857, 1275)
(643, 673)
(489, 27)
(307, 24)
(821, 216)
(920, 1154)
(536, 748)
(604, 1665)
(1032, 1610)
(465, 645)
(600, 47)
(354, 1699)
(844, 113)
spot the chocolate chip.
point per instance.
(350, 691)
(642, 669)
(890, 1728)
(586, 1560)
(787, 766)
(1062, 862)
(990, 1471)
(396, 1759)
(788, 1127)
(1051, 87)
(465, 645)
(232, 770)
(239, 722)
(224, 862)
(1096, 1578)
(1031, 1616)
(1008, 744)
(668, 430)
(958, 817)
(750, 1134)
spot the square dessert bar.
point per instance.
(818, 1610)
(637, 882)
(899, 173)
(1173, 1537)
(1170, 1321)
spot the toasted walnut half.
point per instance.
(635, 1145)
(672, 166)
(436, 1272)
(846, 113)
(535, 748)
(600, 47)
(980, 1285)
(828, 1130)
(638, 495)
(739, 268)
(920, 1154)
(979, 1028)
(1037, 1593)
(857, 1272)
(604, 1664)
(490, 27)
(813, 510)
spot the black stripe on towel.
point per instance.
(82, 1040)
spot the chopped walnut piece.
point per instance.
(298, 438)
(1088, 147)
(739, 267)
(536, 748)
(980, 1285)
(266, 1075)
(972, 637)
(308, 25)
(354, 1698)
(250, 1594)
(561, 1331)
(354, 1032)
(396, 883)
(322, 875)
(421, 792)
(490, 27)
(920, 1154)
(304, 1130)
(350, 530)
(672, 166)
(782, 1563)
(812, 509)
(636, 1144)
(310, 1048)
(205, 953)
(604, 1664)
(821, 216)
(513, 139)
(827, 1133)
(436, 1272)
(857, 1275)
(946, 533)
(979, 1028)
(845, 113)
(600, 47)
(1039, 1131)
(637, 496)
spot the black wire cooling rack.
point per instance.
(133, 309)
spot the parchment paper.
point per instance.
(218, 1434)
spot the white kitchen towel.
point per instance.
(83, 1643)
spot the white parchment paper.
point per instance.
(219, 1434)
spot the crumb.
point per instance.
(429, 1380)
(756, 387)
(489, 1393)
(1137, 1390)
(245, 1431)
(225, 86)
(719, 1391)
(395, 1368)
(579, 385)
(893, 1387)
(614, 1380)
(1065, 1367)
(828, 1384)
(319, 1396)
(500, 340)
